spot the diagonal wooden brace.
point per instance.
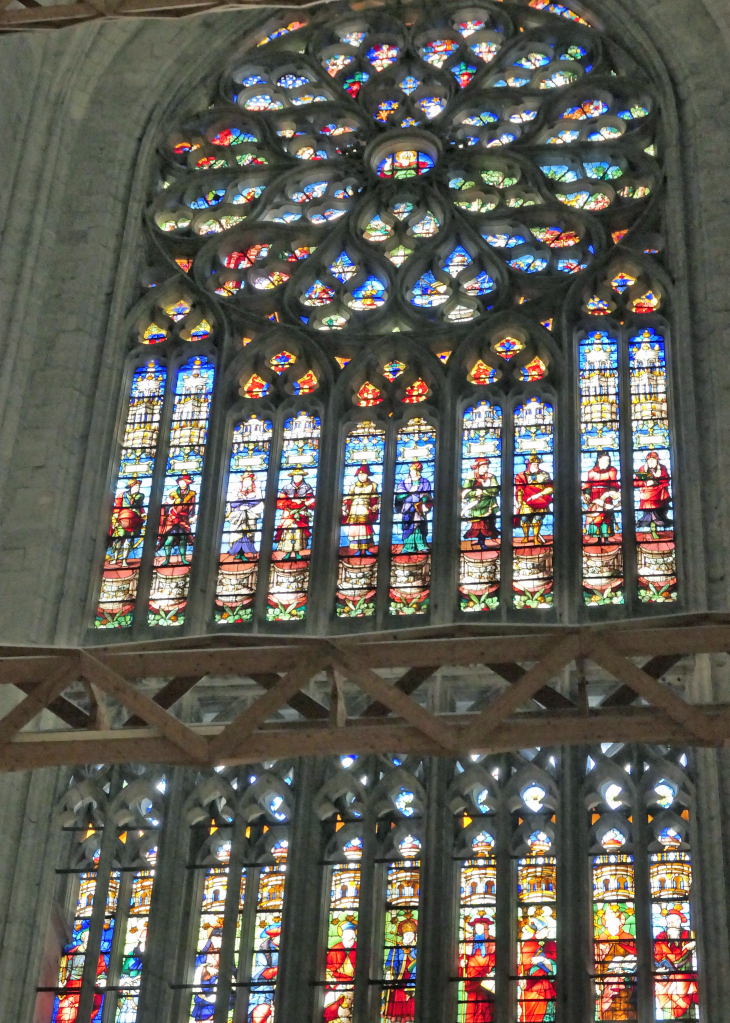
(396, 700)
(489, 719)
(115, 685)
(37, 700)
(245, 724)
(689, 716)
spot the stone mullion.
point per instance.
(320, 597)
(298, 956)
(170, 929)
(230, 921)
(504, 915)
(573, 944)
(435, 913)
(644, 956)
(364, 959)
(96, 922)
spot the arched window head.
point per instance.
(387, 238)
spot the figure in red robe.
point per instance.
(400, 968)
(537, 959)
(478, 971)
(676, 994)
(601, 496)
(127, 520)
(296, 504)
(341, 956)
(652, 482)
(175, 520)
(533, 497)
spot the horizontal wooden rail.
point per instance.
(267, 697)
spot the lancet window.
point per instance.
(462, 213)
(111, 820)
(525, 887)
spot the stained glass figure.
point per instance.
(674, 944)
(132, 498)
(405, 163)
(181, 492)
(337, 62)
(439, 51)
(206, 973)
(481, 483)
(536, 931)
(73, 957)
(382, 55)
(532, 553)
(656, 557)
(410, 571)
(429, 292)
(477, 933)
(362, 491)
(342, 934)
(295, 505)
(318, 294)
(134, 944)
(267, 936)
(398, 1000)
(463, 73)
(343, 267)
(614, 933)
(601, 469)
(369, 295)
(241, 541)
(457, 261)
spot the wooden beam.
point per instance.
(551, 662)
(168, 696)
(692, 718)
(631, 724)
(547, 696)
(408, 683)
(301, 702)
(63, 708)
(37, 701)
(240, 730)
(395, 700)
(110, 682)
(655, 668)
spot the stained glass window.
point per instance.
(181, 490)
(532, 562)
(398, 999)
(481, 489)
(342, 923)
(477, 932)
(601, 469)
(103, 959)
(358, 183)
(410, 571)
(267, 935)
(295, 503)
(536, 929)
(361, 514)
(244, 515)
